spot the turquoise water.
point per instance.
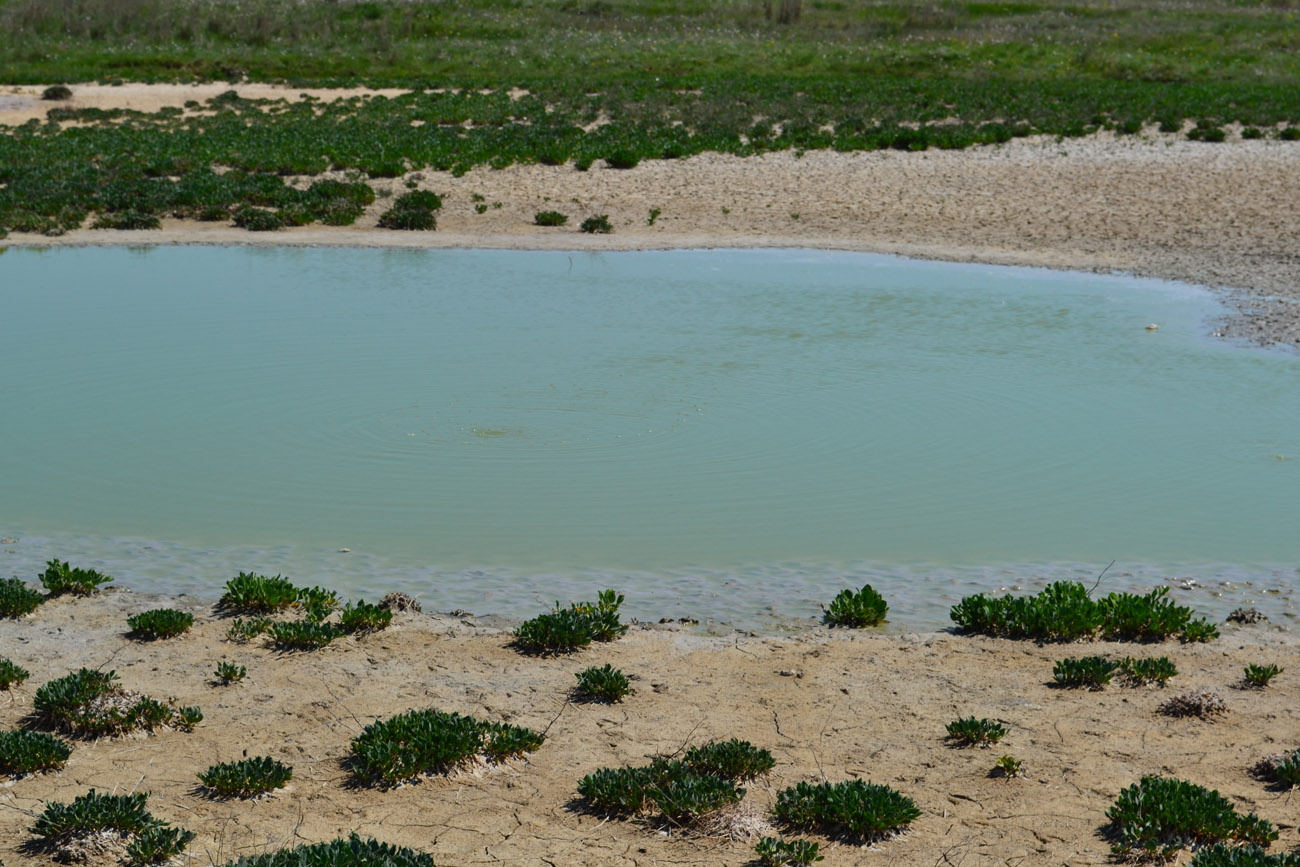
(715, 433)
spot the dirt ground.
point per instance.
(829, 705)
(1221, 215)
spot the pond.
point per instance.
(729, 435)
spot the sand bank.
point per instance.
(828, 705)
(1221, 215)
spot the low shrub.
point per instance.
(1008, 766)
(244, 631)
(857, 609)
(57, 92)
(412, 211)
(364, 617)
(352, 852)
(860, 809)
(249, 592)
(1093, 672)
(246, 778)
(61, 578)
(688, 797)
(17, 599)
(303, 634)
(1252, 132)
(317, 603)
(731, 759)
(1205, 705)
(566, 630)
(25, 752)
(1250, 855)
(160, 623)
(431, 741)
(681, 793)
(258, 219)
(970, 732)
(90, 703)
(1290, 133)
(1150, 670)
(605, 684)
(126, 220)
(780, 852)
(549, 218)
(228, 672)
(11, 673)
(1282, 769)
(1258, 676)
(1160, 815)
(623, 159)
(152, 840)
(596, 225)
(1063, 611)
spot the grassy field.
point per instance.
(673, 77)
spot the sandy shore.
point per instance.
(1221, 215)
(828, 705)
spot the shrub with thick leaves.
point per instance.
(62, 578)
(565, 630)
(864, 810)
(246, 778)
(732, 759)
(857, 609)
(25, 752)
(1157, 816)
(160, 623)
(250, 592)
(352, 852)
(11, 673)
(431, 741)
(17, 599)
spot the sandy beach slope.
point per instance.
(1221, 215)
(828, 705)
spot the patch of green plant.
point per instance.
(857, 609)
(1151, 670)
(25, 752)
(244, 631)
(1064, 611)
(228, 672)
(1283, 769)
(60, 702)
(597, 224)
(412, 211)
(863, 810)
(303, 634)
(549, 218)
(971, 732)
(1008, 766)
(57, 92)
(152, 840)
(604, 684)
(686, 798)
(11, 673)
(246, 778)
(249, 592)
(1093, 672)
(364, 617)
(1258, 676)
(317, 603)
(780, 852)
(61, 578)
(1250, 855)
(566, 630)
(730, 759)
(352, 852)
(431, 741)
(157, 844)
(17, 599)
(682, 794)
(90, 703)
(127, 220)
(1160, 815)
(160, 623)
(256, 219)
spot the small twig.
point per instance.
(1099, 577)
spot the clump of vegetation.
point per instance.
(549, 218)
(17, 599)
(364, 617)
(151, 840)
(57, 92)
(61, 578)
(249, 592)
(303, 634)
(597, 225)
(317, 603)
(1159, 815)
(566, 630)
(244, 631)
(857, 609)
(1064, 611)
(246, 778)
(1281, 769)
(1093, 672)
(1258, 676)
(25, 752)
(90, 703)
(412, 211)
(1250, 855)
(731, 759)
(1151, 670)
(780, 852)
(1204, 704)
(681, 793)
(352, 852)
(431, 741)
(971, 732)
(867, 811)
(127, 220)
(256, 219)
(160, 623)
(11, 673)
(604, 684)
(1008, 766)
(228, 672)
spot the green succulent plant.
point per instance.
(25, 752)
(972, 732)
(17, 599)
(863, 810)
(160, 623)
(61, 579)
(431, 741)
(1259, 676)
(604, 684)
(1157, 816)
(11, 673)
(246, 778)
(857, 609)
(780, 852)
